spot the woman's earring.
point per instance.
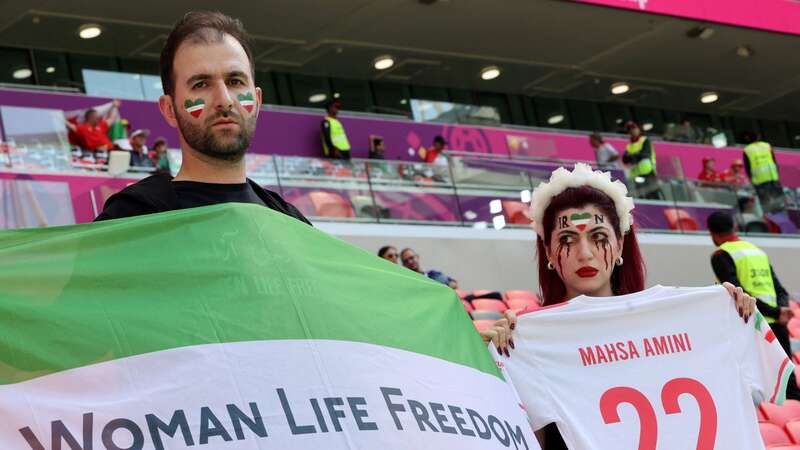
(620, 261)
(550, 266)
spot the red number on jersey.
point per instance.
(648, 425)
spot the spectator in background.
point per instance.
(93, 132)
(708, 173)
(388, 253)
(434, 154)
(375, 147)
(334, 139)
(743, 264)
(410, 260)
(140, 157)
(640, 157)
(735, 175)
(607, 156)
(762, 168)
(159, 156)
(685, 132)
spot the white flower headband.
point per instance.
(581, 175)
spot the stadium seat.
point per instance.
(783, 447)
(523, 303)
(467, 306)
(780, 415)
(330, 204)
(489, 304)
(793, 430)
(479, 314)
(679, 219)
(481, 292)
(772, 434)
(761, 416)
(520, 294)
(516, 212)
(794, 327)
(461, 294)
(481, 325)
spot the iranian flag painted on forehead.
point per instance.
(235, 327)
(580, 220)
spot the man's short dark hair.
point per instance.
(748, 137)
(383, 250)
(439, 140)
(330, 103)
(406, 250)
(720, 223)
(88, 113)
(203, 27)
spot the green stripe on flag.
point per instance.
(77, 295)
(782, 382)
(759, 321)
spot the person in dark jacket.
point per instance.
(214, 106)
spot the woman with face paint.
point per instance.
(586, 246)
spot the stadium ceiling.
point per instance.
(543, 47)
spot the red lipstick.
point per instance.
(586, 272)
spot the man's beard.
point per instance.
(203, 139)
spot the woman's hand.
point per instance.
(745, 304)
(500, 333)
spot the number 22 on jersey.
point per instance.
(648, 421)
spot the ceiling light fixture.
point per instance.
(490, 73)
(22, 73)
(89, 31)
(383, 62)
(744, 51)
(647, 126)
(709, 97)
(317, 98)
(620, 88)
(555, 119)
(50, 69)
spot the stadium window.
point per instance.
(742, 124)
(78, 62)
(614, 117)
(269, 95)
(430, 93)
(652, 116)
(462, 96)
(672, 118)
(585, 115)
(794, 134)
(310, 91)
(52, 68)
(392, 98)
(16, 65)
(530, 111)
(355, 95)
(498, 102)
(283, 89)
(516, 102)
(141, 66)
(775, 133)
(552, 112)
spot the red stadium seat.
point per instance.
(679, 219)
(520, 294)
(773, 434)
(794, 327)
(489, 304)
(516, 212)
(780, 415)
(794, 306)
(793, 430)
(481, 292)
(330, 204)
(795, 357)
(461, 294)
(761, 416)
(523, 303)
(783, 447)
(492, 315)
(467, 306)
(482, 325)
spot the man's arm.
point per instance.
(113, 112)
(780, 291)
(647, 149)
(725, 270)
(325, 128)
(746, 165)
(71, 126)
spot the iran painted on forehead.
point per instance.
(579, 220)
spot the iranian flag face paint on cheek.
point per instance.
(194, 107)
(247, 101)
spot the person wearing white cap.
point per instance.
(139, 156)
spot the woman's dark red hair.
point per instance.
(625, 279)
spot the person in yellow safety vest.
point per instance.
(762, 168)
(334, 138)
(640, 158)
(744, 265)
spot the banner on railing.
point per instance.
(233, 326)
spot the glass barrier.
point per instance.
(124, 85)
(480, 191)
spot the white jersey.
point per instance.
(662, 369)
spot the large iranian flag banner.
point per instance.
(235, 327)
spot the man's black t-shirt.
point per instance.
(159, 193)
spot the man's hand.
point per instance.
(115, 103)
(786, 315)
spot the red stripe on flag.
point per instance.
(780, 381)
(770, 336)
